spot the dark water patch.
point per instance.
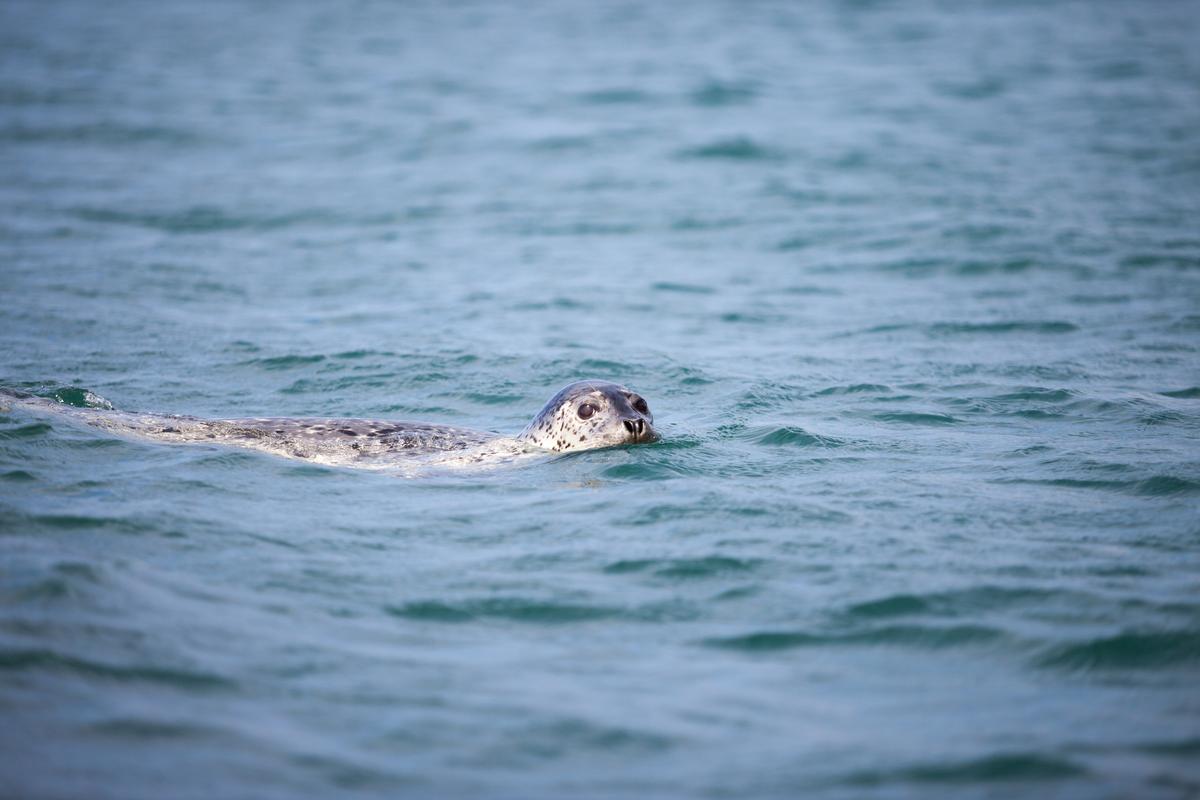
(1190, 393)
(1003, 266)
(1021, 767)
(201, 219)
(554, 304)
(559, 143)
(707, 567)
(279, 363)
(616, 96)
(32, 431)
(1166, 486)
(151, 730)
(555, 740)
(345, 774)
(1155, 486)
(355, 355)
(17, 475)
(987, 328)
(1071, 483)
(890, 327)
(739, 148)
(1099, 299)
(916, 418)
(665, 512)
(642, 471)
(1035, 394)
(515, 609)
(720, 93)
(751, 318)
(81, 522)
(42, 660)
(916, 266)
(682, 288)
(793, 243)
(1169, 260)
(431, 610)
(1129, 650)
(918, 636)
(854, 388)
(981, 89)
(699, 224)
(108, 134)
(811, 290)
(1183, 748)
(792, 436)
(962, 602)
(581, 228)
(493, 399)
(603, 365)
(689, 568)
(368, 381)
(765, 396)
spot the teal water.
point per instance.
(913, 290)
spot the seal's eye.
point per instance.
(639, 405)
(586, 410)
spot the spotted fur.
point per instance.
(385, 444)
(560, 427)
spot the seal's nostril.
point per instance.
(629, 426)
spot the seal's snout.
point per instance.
(639, 431)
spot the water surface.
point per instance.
(912, 290)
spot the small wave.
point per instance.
(854, 388)
(1035, 394)
(101, 133)
(150, 729)
(278, 363)
(1155, 486)
(41, 659)
(971, 328)
(82, 398)
(26, 431)
(516, 609)
(1190, 393)
(1130, 650)
(1170, 260)
(644, 471)
(999, 767)
(739, 148)
(706, 567)
(920, 636)
(916, 418)
(574, 735)
(1166, 485)
(616, 96)
(949, 603)
(682, 288)
(791, 435)
(199, 219)
(719, 93)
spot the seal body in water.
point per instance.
(582, 416)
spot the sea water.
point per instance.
(912, 289)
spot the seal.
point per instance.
(584, 415)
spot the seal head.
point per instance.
(590, 414)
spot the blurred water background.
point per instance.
(913, 290)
